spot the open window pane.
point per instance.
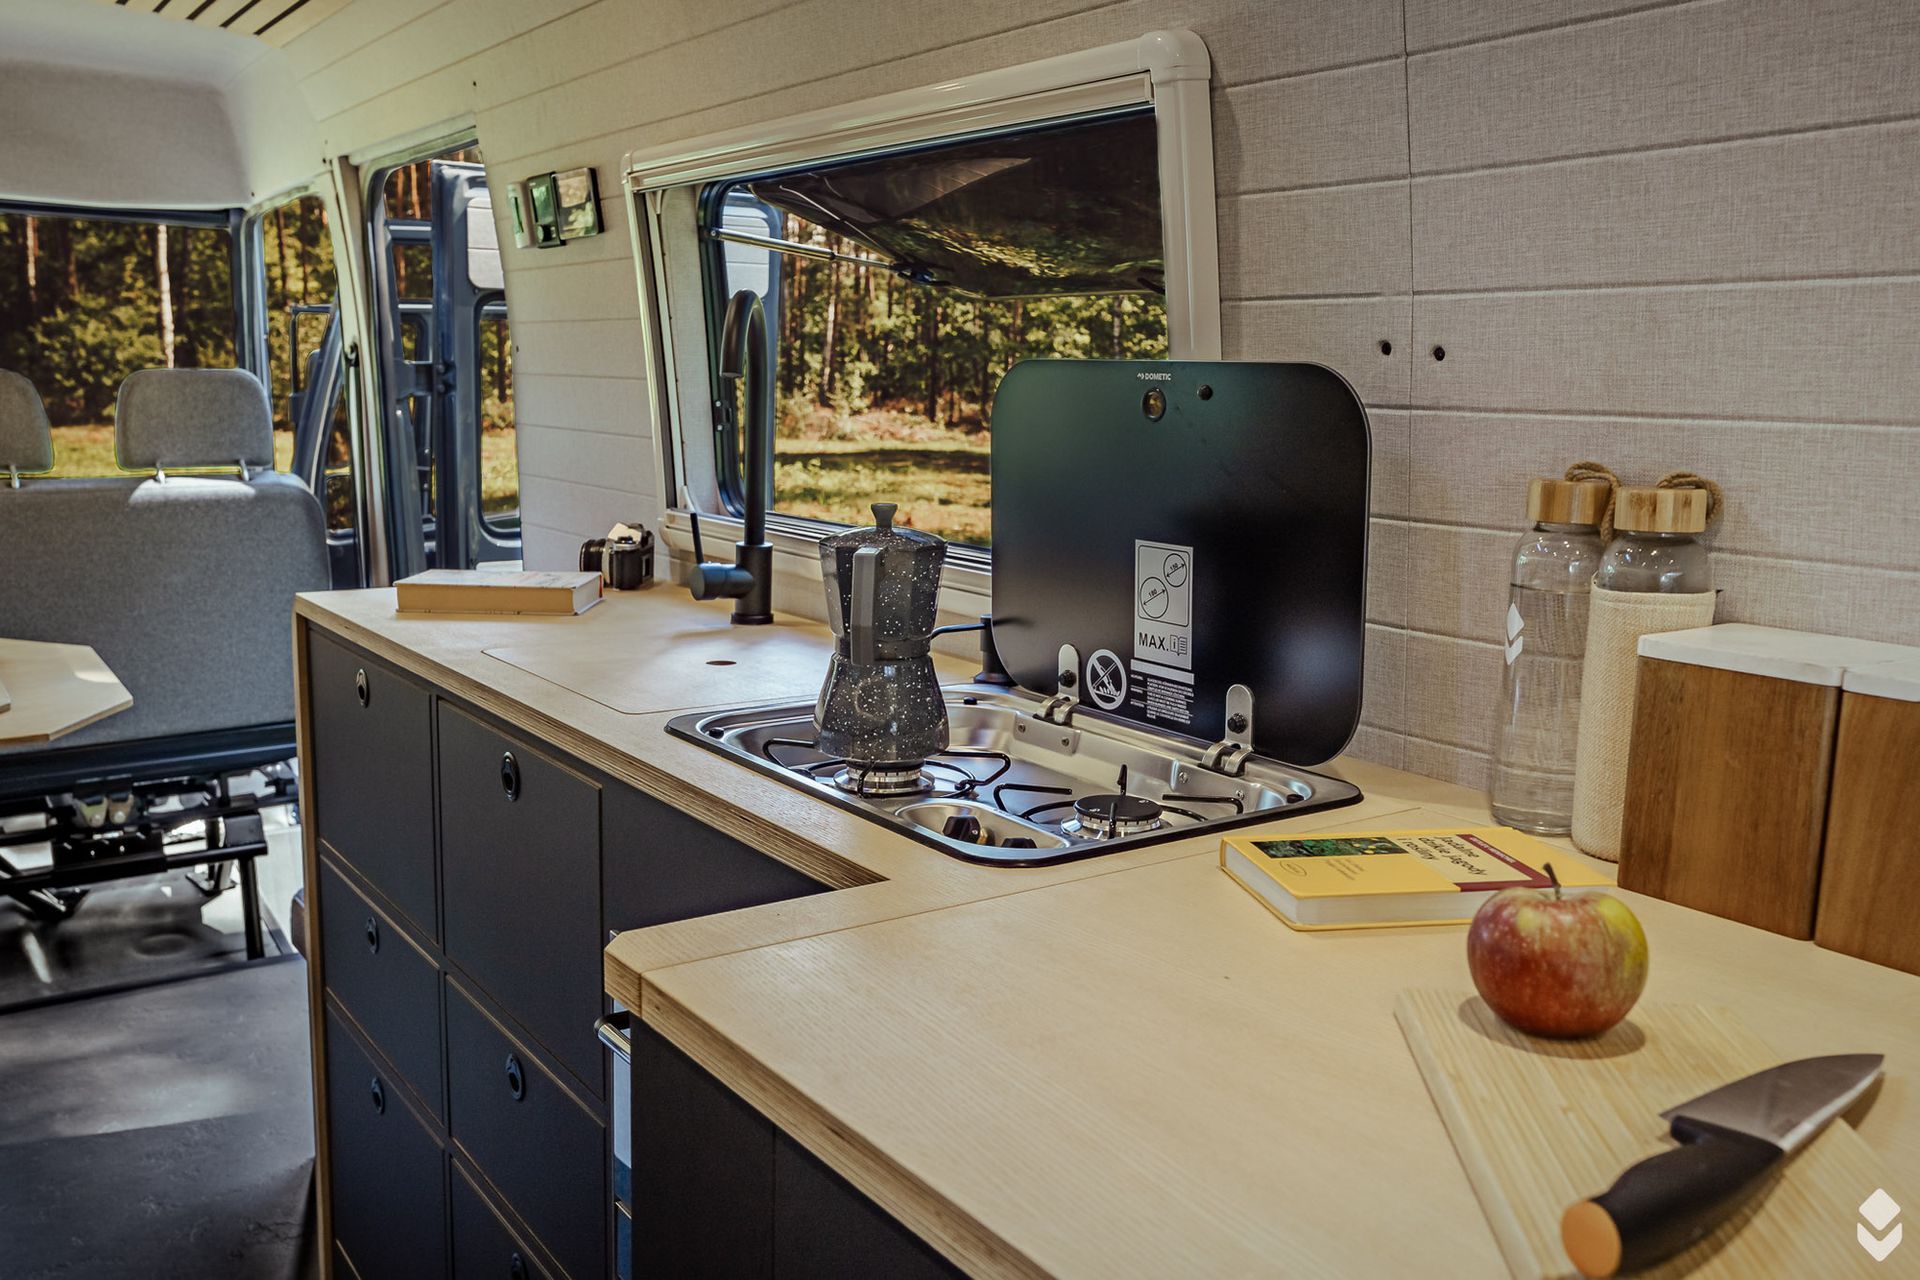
(84, 302)
(920, 280)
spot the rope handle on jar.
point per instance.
(1716, 499)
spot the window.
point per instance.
(899, 289)
(303, 357)
(85, 301)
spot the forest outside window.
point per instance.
(901, 288)
(86, 301)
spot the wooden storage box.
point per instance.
(1870, 872)
(1728, 771)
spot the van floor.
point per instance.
(161, 1132)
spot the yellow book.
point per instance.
(486, 591)
(1361, 879)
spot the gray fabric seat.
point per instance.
(184, 585)
(26, 441)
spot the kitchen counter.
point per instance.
(1118, 1066)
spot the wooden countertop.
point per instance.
(1122, 1066)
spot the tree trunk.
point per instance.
(1113, 307)
(832, 327)
(33, 267)
(933, 361)
(163, 284)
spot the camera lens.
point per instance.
(1154, 404)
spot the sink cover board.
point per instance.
(1186, 526)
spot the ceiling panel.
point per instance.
(275, 21)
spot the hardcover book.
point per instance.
(1362, 879)
(484, 591)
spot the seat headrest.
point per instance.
(192, 418)
(26, 441)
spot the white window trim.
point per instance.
(1167, 70)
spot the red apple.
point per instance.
(1557, 964)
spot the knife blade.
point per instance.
(1729, 1139)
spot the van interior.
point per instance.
(807, 638)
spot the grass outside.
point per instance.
(833, 467)
(88, 451)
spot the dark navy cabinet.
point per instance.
(719, 1191)
(464, 880)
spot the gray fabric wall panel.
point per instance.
(1826, 351)
(1348, 125)
(1342, 333)
(1837, 202)
(1387, 572)
(1801, 488)
(1437, 23)
(26, 442)
(1327, 242)
(1689, 73)
(199, 626)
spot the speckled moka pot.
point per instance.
(881, 702)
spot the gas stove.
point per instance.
(1018, 788)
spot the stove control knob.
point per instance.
(1018, 842)
(962, 826)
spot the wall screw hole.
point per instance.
(1386, 348)
(1439, 353)
(720, 662)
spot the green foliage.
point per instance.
(83, 309)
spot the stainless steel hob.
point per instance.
(1018, 789)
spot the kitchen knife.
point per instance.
(1730, 1139)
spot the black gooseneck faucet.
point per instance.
(749, 579)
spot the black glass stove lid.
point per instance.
(1186, 526)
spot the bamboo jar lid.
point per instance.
(1566, 501)
(1661, 510)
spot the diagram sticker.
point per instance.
(1161, 686)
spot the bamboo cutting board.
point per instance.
(1540, 1124)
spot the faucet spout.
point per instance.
(748, 581)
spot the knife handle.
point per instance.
(1667, 1202)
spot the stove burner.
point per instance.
(881, 781)
(1105, 816)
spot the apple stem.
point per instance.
(1553, 876)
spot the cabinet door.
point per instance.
(661, 865)
(371, 756)
(387, 1173)
(389, 985)
(825, 1228)
(484, 1246)
(702, 1170)
(520, 846)
(545, 1152)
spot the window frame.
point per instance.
(1168, 71)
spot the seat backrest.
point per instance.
(26, 441)
(183, 584)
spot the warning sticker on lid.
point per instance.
(1162, 685)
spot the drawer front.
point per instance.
(372, 763)
(542, 1149)
(387, 1173)
(520, 845)
(663, 865)
(389, 985)
(484, 1246)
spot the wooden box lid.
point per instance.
(1899, 679)
(1805, 657)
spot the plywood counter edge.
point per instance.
(742, 824)
(960, 1236)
